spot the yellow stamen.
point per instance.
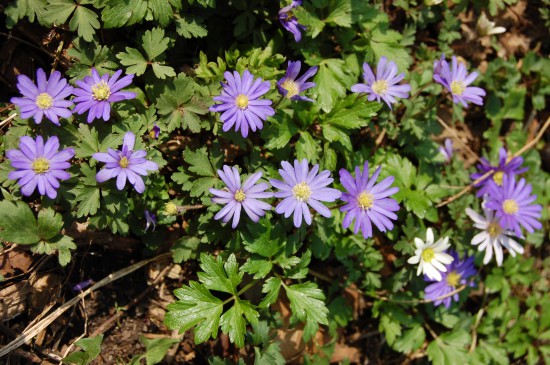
(301, 191)
(497, 177)
(242, 101)
(41, 165)
(101, 91)
(292, 87)
(380, 87)
(428, 255)
(494, 229)
(510, 206)
(453, 278)
(457, 87)
(44, 101)
(239, 196)
(171, 208)
(124, 162)
(365, 200)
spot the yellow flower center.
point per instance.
(292, 87)
(510, 206)
(497, 177)
(44, 101)
(171, 208)
(101, 91)
(457, 87)
(40, 165)
(453, 278)
(124, 162)
(380, 87)
(365, 200)
(242, 101)
(301, 191)
(494, 229)
(152, 134)
(239, 196)
(428, 255)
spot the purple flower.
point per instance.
(46, 98)
(123, 164)
(82, 285)
(39, 164)
(383, 84)
(154, 133)
(290, 88)
(302, 187)
(511, 168)
(512, 205)
(289, 21)
(447, 149)
(368, 203)
(241, 105)
(457, 273)
(150, 220)
(456, 80)
(96, 94)
(246, 196)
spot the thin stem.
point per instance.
(278, 102)
(240, 292)
(452, 131)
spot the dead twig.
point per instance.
(44, 323)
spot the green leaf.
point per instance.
(162, 11)
(63, 245)
(199, 162)
(137, 64)
(89, 201)
(333, 80)
(233, 321)
(58, 11)
(85, 21)
(18, 223)
(411, 340)
(449, 348)
(156, 348)
(352, 113)
(49, 223)
(91, 347)
(271, 287)
(306, 147)
(154, 43)
(123, 12)
(32, 9)
(219, 276)
(162, 71)
(184, 249)
(190, 26)
(390, 327)
(180, 105)
(307, 302)
(195, 306)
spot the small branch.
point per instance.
(7, 120)
(28, 334)
(423, 301)
(452, 131)
(476, 323)
(491, 172)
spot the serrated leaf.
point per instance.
(333, 80)
(190, 26)
(196, 306)
(156, 348)
(49, 223)
(135, 61)
(89, 201)
(85, 21)
(411, 340)
(271, 288)
(154, 43)
(162, 11)
(91, 347)
(233, 321)
(123, 12)
(32, 9)
(390, 327)
(306, 147)
(63, 245)
(185, 249)
(307, 302)
(18, 223)
(162, 71)
(218, 275)
(199, 162)
(449, 348)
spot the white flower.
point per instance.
(430, 257)
(485, 27)
(493, 236)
